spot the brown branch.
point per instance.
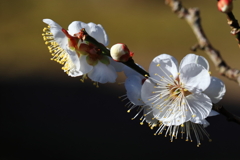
(228, 115)
(192, 16)
(235, 28)
(226, 7)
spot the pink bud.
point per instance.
(225, 6)
(120, 52)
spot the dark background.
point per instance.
(47, 115)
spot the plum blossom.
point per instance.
(79, 57)
(133, 85)
(177, 99)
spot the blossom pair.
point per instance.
(176, 98)
(80, 57)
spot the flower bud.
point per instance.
(225, 6)
(120, 52)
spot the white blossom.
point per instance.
(80, 57)
(177, 99)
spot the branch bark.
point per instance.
(235, 28)
(227, 114)
(192, 16)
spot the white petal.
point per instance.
(74, 73)
(133, 85)
(199, 106)
(168, 66)
(177, 121)
(58, 35)
(117, 65)
(173, 119)
(147, 91)
(159, 104)
(84, 66)
(75, 27)
(75, 67)
(194, 77)
(204, 122)
(215, 90)
(74, 58)
(103, 73)
(213, 113)
(97, 32)
(129, 71)
(149, 116)
(72, 70)
(192, 58)
(175, 114)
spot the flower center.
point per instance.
(93, 54)
(177, 89)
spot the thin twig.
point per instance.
(192, 16)
(231, 20)
(235, 28)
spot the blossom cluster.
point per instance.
(175, 99)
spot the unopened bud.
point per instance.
(120, 52)
(225, 6)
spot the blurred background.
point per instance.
(47, 115)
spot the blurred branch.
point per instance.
(192, 16)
